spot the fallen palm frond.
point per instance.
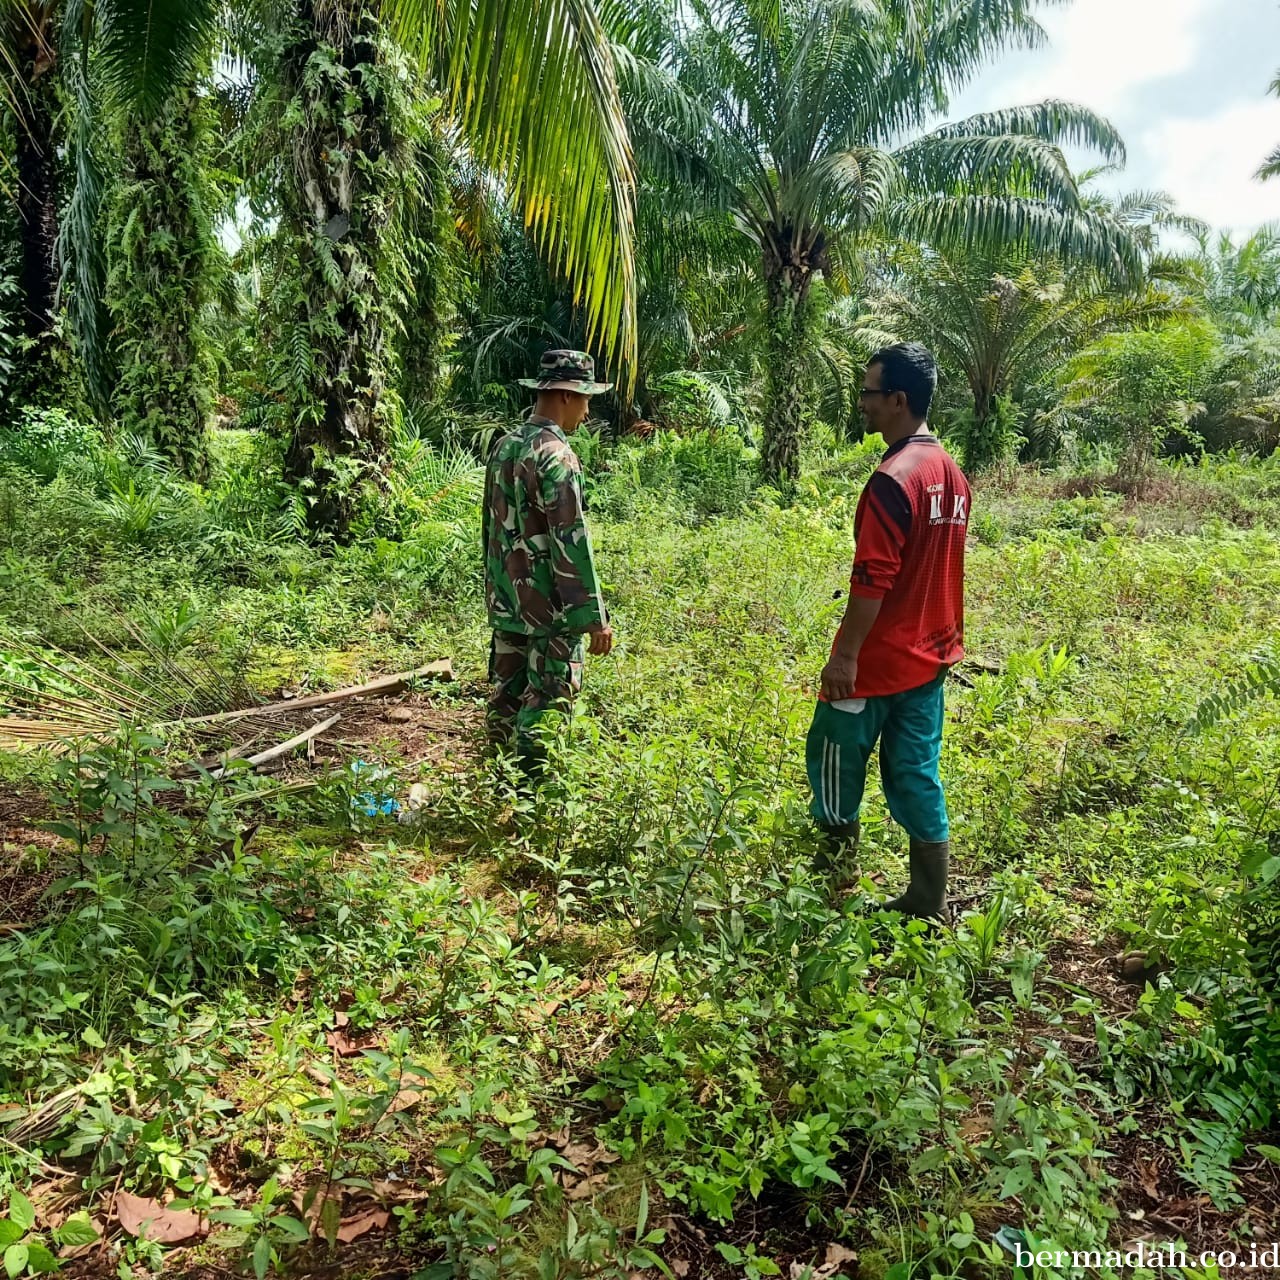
(381, 687)
(50, 698)
(274, 753)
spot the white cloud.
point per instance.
(1183, 80)
(1208, 164)
(1101, 51)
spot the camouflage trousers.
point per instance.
(532, 676)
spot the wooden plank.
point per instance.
(384, 685)
(274, 753)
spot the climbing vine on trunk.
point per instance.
(790, 330)
(337, 117)
(164, 269)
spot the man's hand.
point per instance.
(601, 642)
(839, 677)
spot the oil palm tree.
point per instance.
(1003, 323)
(1004, 318)
(1239, 281)
(530, 84)
(810, 123)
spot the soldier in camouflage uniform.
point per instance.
(541, 587)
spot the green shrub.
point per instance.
(986, 442)
(689, 402)
(44, 440)
(1136, 391)
(709, 473)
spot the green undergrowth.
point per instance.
(623, 1028)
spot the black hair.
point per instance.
(910, 368)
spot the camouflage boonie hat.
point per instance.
(560, 370)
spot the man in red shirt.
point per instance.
(902, 631)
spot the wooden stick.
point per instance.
(274, 753)
(442, 670)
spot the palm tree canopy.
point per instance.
(1004, 321)
(532, 85)
(147, 47)
(812, 121)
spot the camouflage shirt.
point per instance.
(540, 577)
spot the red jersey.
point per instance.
(909, 531)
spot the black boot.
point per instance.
(839, 859)
(926, 895)
(531, 766)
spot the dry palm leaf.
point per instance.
(64, 697)
(57, 696)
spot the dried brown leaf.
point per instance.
(311, 1202)
(586, 1159)
(348, 1045)
(409, 1094)
(149, 1219)
(586, 1188)
(368, 1219)
(403, 1191)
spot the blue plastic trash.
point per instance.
(373, 804)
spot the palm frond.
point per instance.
(678, 138)
(1270, 167)
(55, 697)
(983, 223)
(147, 48)
(989, 162)
(532, 85)
(1065, 123)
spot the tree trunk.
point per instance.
(344, 177)
(36, 162)
(981, 438)
(788, 276)
(981, 403)
(161, 259)
(426, 226)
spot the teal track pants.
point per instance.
(908, 727)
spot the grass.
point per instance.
(624, 1028)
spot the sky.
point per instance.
(1185, 82)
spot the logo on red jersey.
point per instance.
(959, 509)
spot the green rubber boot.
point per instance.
(839, 860)
(926, 895)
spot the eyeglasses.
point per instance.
(874, 391)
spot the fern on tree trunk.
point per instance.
(790, 328)
(347, 154)
(164, 264)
